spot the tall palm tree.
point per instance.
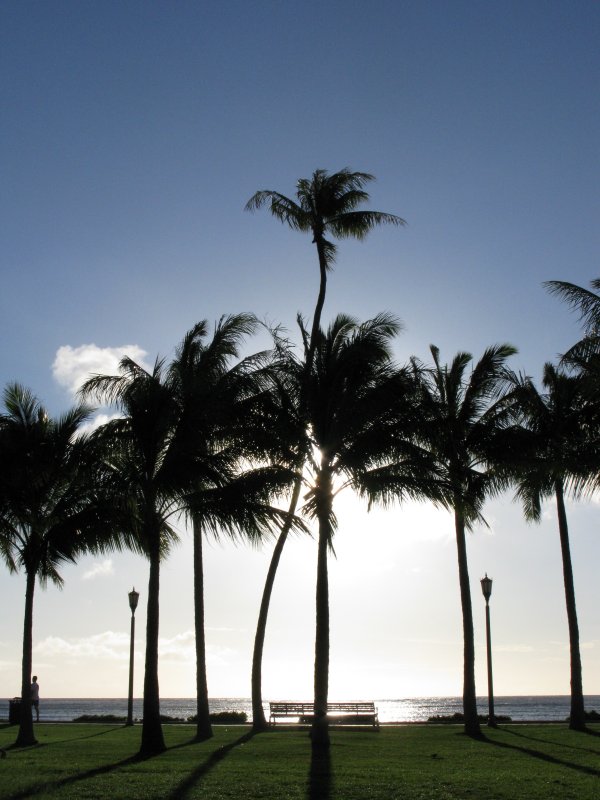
(51, 508)
(351, 402)
(149, 483)
(326, 205)
(224, 424)
(461, 421)
(556, 453)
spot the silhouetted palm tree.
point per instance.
(555, 454)
(460, 424)
(150, 483)
(225, 422)
(51, 508)
(178, 449)
(325, 205)
(351, 408)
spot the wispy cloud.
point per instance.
(182, 648)
(108, 645)
(100, 568)
(114, 646)
(74, 365)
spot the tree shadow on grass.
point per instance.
(44, 788)
(529, 751)
(185, 786)
(591, 732)
(319, 777)
(557, 744)
(78, 738)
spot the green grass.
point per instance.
(415, 762)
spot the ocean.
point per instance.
(416, 709)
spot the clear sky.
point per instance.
(132, 135)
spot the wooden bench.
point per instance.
(361, 713)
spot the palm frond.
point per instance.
(585, 302)
(357, 224)
(281, 207)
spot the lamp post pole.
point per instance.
(486, 588)
(133, 601)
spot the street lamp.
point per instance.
(133, 601)
(486, 588)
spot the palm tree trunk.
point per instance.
(152, 736)
(259, 723)
(320, 727)
(472, 727)
(203, 726)
(577, 719)
(26, 736)
(316, 323)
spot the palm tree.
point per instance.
(460, 424)
(224, 413)
(326, 205)
(149, 482)
(51, 508)
(556, 453)
(351, 402)
(177, 450)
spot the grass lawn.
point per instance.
(536, 762)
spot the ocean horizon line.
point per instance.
(397, 698)
(517, 708)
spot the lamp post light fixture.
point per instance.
(486, 588)
(133, 601)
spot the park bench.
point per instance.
(361, 713)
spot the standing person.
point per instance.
(35, 697)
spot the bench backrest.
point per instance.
(308, 708)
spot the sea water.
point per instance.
(416, 709)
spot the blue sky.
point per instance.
(132, 135)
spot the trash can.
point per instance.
(14, 711)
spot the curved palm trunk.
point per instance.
(203, 726)
(320, 727)
(259, 722)
(472, 727)
(316, 323)
(26, 736)
(577, 719)
(152, 735)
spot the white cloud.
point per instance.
(96, 422)
(107, 645)
(100, 568)
(182, 648)
(74, 365)
(114, 646)
(514, 648)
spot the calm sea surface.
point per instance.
(416, 709)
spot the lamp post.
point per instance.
(133, 601)
(486, 588)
